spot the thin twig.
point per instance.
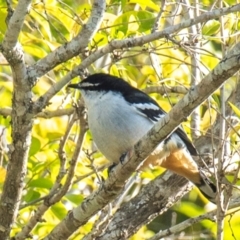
(181, 226)
(57, 192)
(5, 112)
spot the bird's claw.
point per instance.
(126, 156)
(110, 168)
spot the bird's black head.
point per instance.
(102, 82)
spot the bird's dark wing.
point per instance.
(180, 132)
(150, 109)
(145, 105)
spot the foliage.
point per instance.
(165, 63)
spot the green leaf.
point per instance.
(211, 27)
(59, 210)
(132, 22)
(123, 3)
(3, 26)
(31, 195)
(146, 20)
(190, 209)
(54, 135)
(35, 146)
(75, 198)
(41, 183)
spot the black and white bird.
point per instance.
(119, 115)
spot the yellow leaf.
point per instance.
(2, 174)
(235, 109)
(208, 119)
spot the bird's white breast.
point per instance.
(115, 125)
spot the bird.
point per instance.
(119, 115)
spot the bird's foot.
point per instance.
(110, 168)
(126, 156)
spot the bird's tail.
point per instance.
(207, 187)
(182, 163)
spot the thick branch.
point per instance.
(21, 122)
(154, 199)
(15, 25)
(113, 185)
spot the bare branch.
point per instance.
(194, 32)
(163, 90)
(153, 199)
(222, 149)
(181, 226)
(126, 43)
(56, 113)
(155, 61)
(57, 192)
(102, 224)
(157, 20)
(15, 25)
(5, 112)
(45, 114)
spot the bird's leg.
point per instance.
(110, 168)
(126, 156)
(123, 158)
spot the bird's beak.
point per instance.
(73, 85)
